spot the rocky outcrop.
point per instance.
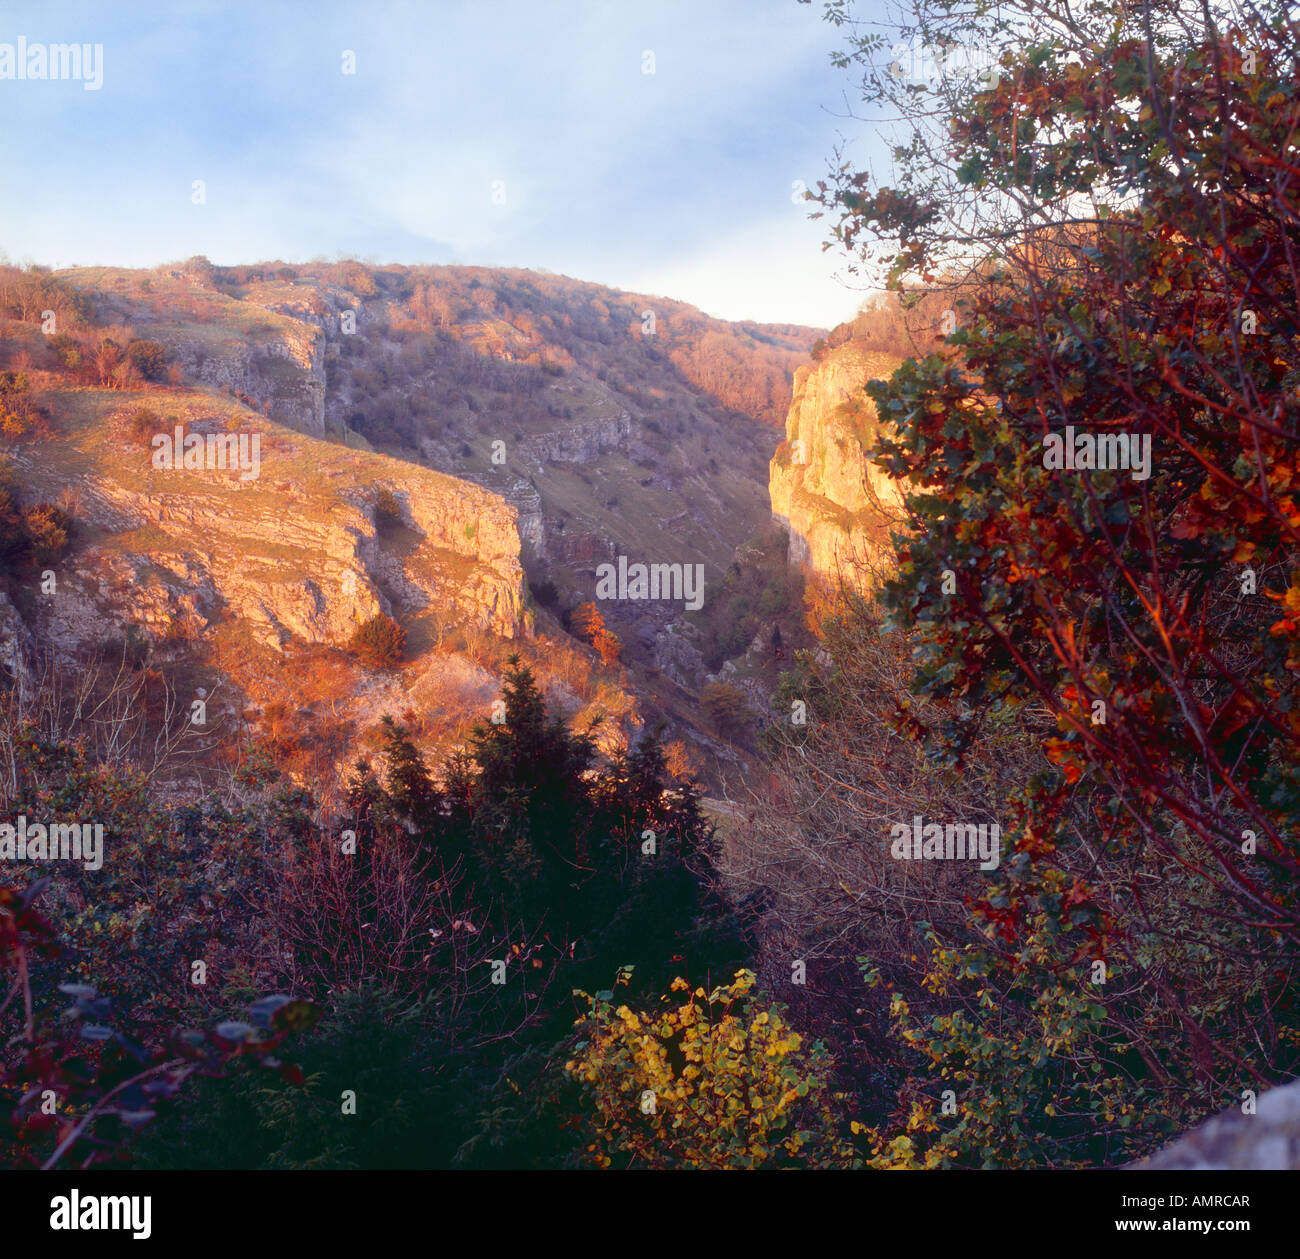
(283, 372)
(676, 656)
(1266, 1140)
(471, 538)
(578, 443)
(294, 553)
(838, 507)
(16, 646)
(527, 502)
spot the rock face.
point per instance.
(579, 443)
(284, 373)
(837, 506)
(295, 553)
(479, 532)
(1268, 1140)
(15, 646)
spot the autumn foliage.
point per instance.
(588, 624)
(705, 1080)
(1147, 916)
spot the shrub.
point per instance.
(27, 295)
(714, 1082)
(49, 529)
(587, 623)
(356, 277)
(388, 511)
(143, 424)
(379, 642)
(608, 647)
(108, 357)
(67, 349)
(13, 536)
(726, 707)
(1119, 969)
(149, 358)
(370, 1040)
(37, 534)
(20, 416)
(545, 592)
(108, 1082)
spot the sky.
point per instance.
(480, 132)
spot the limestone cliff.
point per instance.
(606, 438)
(294, 553)
(284, 373)
(579, 443)
(837, 505)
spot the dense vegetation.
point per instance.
(439, 929)
(1132, 964)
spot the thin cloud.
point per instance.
(511, 134)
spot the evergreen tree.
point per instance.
(410, 788)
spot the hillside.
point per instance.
(616, 423)
(433, 443)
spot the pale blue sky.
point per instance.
(677, 183)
